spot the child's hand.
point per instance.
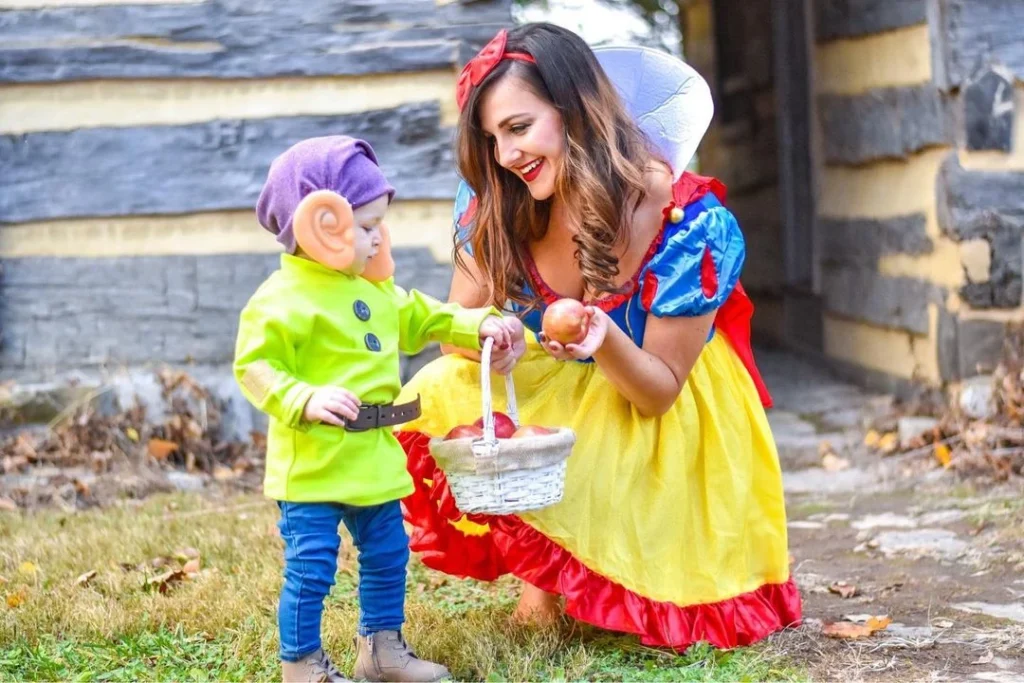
(509, 341)
(331, 405)
(597, 329)
(503, 360)
(495, 328)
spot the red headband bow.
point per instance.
(477, 68)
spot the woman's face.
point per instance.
(527, 134)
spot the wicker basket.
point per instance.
(503, 476)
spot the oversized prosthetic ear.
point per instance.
(323, 225)
(381, 266)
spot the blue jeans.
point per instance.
(311, 544)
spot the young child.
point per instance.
(318, 351)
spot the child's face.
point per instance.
(367, 239)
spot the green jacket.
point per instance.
(308, 326)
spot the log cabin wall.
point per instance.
(134, 139)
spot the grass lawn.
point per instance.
(132, 620)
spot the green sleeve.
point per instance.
(424, 319)
(264, 365)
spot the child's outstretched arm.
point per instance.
(264, 365)
(425, 319)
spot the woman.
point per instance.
(672, 525)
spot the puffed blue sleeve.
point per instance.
(465, 211)
(698, 263)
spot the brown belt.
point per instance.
(371, 417)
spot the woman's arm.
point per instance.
(650, 377)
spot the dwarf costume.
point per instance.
(310, 326)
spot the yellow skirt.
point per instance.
(672, 528)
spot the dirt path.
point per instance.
(943, 561)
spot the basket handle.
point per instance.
(485, 384)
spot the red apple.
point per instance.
(463, 432)
(504, 427)
(532, 430)
(565, 321)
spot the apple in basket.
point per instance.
(504, 427)
(566, 321)
(532, 430)
(464, 432)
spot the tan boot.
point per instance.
(385, 656)
(313, 668)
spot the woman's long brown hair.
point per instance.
(600, 182)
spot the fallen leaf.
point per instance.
(879, 623)
(942, 454)
(85, 578)
(27, 568)
(985, 658)
(846, 629)
(100, 461)
(13, 463)
(850, 630)
(889, 443)
(857, 618)
(843, 589)
(193, 429)
(7, 505)
(15, 600)
(132, 434)
(2, 580)
(872, 438)
(833, 463)
(186, 554)
(943, 623)
(162, 582)
(160, 449)
(191, 567)
(221, 473)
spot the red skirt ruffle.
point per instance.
(512, 546)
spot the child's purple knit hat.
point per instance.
(345, 165)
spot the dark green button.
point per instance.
(372, 342)
(362, 310)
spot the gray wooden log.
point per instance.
(884, 123)
(971, 200)
(80, 312)
(895, 302)
(208, 166)
(989, 110)
(968, 347)
(976, 33)
(851, 18)
(861, 242)
(241, 38)
(990, 206)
